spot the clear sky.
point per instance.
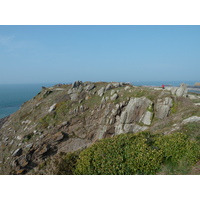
(63, 54)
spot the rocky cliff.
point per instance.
(65, 118)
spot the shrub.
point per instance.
(177, 148)
(61, 164)
(140, 153)
(64, 163)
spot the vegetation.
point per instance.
(129, 154)
(140, 153)
(61, 164)
(65, 163)
(192, 130)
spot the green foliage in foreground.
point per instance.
(64, 164)
(140, 153)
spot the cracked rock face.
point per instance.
(147, 117)
(135, 111)
(179, 91)
(182, 90)
(163, 107)
(101, 91)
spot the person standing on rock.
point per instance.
(163, 86)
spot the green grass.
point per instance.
(175, 106)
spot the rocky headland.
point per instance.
(67, 118)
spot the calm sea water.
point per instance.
(13, 96)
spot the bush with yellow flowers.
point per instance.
(141, 153)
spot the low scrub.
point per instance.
(129, 154)
(140, 153)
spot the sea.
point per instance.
(12, 96)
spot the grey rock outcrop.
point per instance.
(179, 91)
(17, 152)
(108, 87)
(146, 119)
(182, 90)
(101, 91)
(116, 84)
(163, 107)
(191, 119)
(77, 89)
(127, 87)
(76, 84)
(89, 87)
(114, 97)
(52, 107)
(112, 92)
(129, 128)
(104, 99)
(74, 97)
(136, 111)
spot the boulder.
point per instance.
(52, 107)
(19, 137)
(41, 150)
(17, 152)
(114, 97)
(58, 136)
(173, 90)
(29, 146)
(191, 119)
(26, 122)
(81, 108)
(76, 84)
(182, 90)
(127, 87)
(103, 100)
(163, 107)
(193, 97)
(86, 83)
(90, 87)
(46, 93)
(134, 128)
(116, 84)
(135, 110)
(101, 91)
(129, 128)
(77, 89)
(74, 97)
(108, 87)
(70, 91)
(112, 92)
(146, 119)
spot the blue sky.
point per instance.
(63, 54)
